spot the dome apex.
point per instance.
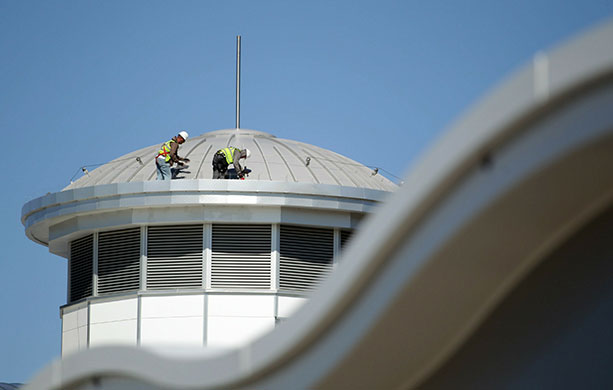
(237, 132)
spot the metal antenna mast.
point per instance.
(238, 82)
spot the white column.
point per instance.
(207, 240)
(143, 258)
(274, 257)
(95, 270)
(337, 247)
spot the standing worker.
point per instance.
(167, 156)
(227, 156)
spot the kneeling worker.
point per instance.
(167, 156)
(227, 156)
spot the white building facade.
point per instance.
(196, 261)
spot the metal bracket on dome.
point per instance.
(375, 171)
(307, 161)
(139, 161)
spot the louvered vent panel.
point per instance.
(81, 267)
(305, 258)
(174, 257)
(345, 236)
(241, 256)
(119, 261)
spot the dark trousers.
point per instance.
(220, 166)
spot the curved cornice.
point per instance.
(41, 214)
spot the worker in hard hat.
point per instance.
(226, 156)
(167, 156)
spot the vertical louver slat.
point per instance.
(305, 256)
(345, 237)
(81, 267)
(119, 261)
(174, 257)
(241, 256)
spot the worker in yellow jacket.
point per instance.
(167, 156)
(226, 156)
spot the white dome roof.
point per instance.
(272, 159)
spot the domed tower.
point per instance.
(195, 261)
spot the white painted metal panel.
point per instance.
(83, 334)
(70, 341)
(316, 218)
(241, 305)
(114, 332)
(113, 311)
(82, 317)
(74, 340)
(69, 321)
(288, 305)
(180, 331)
(172, 306)
(236, 331)
(74, 319)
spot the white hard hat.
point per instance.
(247, 153)
(184, 135)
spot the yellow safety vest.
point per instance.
(228, 153)
(165, 150)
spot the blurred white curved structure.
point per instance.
(518, 183)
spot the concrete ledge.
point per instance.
(40, 215)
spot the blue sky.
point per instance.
(84, 82)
